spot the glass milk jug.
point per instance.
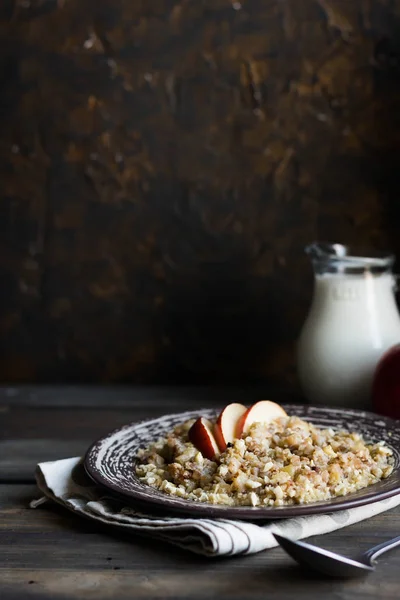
(352, 321)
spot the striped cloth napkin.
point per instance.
(65, 482)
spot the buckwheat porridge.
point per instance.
(287, 461)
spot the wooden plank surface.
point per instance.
(145, 398)
(50, 553)
(67, 556)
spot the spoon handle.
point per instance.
(376, 551)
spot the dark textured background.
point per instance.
(162, 165)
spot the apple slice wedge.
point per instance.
(263, 411)
(201, 436)
(225, 427)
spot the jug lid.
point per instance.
(334, 254)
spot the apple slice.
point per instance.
(225, 427)
(201, 436)
(263, 411)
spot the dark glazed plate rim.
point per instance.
(122, 444)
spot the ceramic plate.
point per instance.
(110, 462)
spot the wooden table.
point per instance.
(49, 553)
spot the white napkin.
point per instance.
(65, 482)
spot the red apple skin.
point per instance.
(201, 436)
(386, 384)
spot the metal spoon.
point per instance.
(331, 563)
